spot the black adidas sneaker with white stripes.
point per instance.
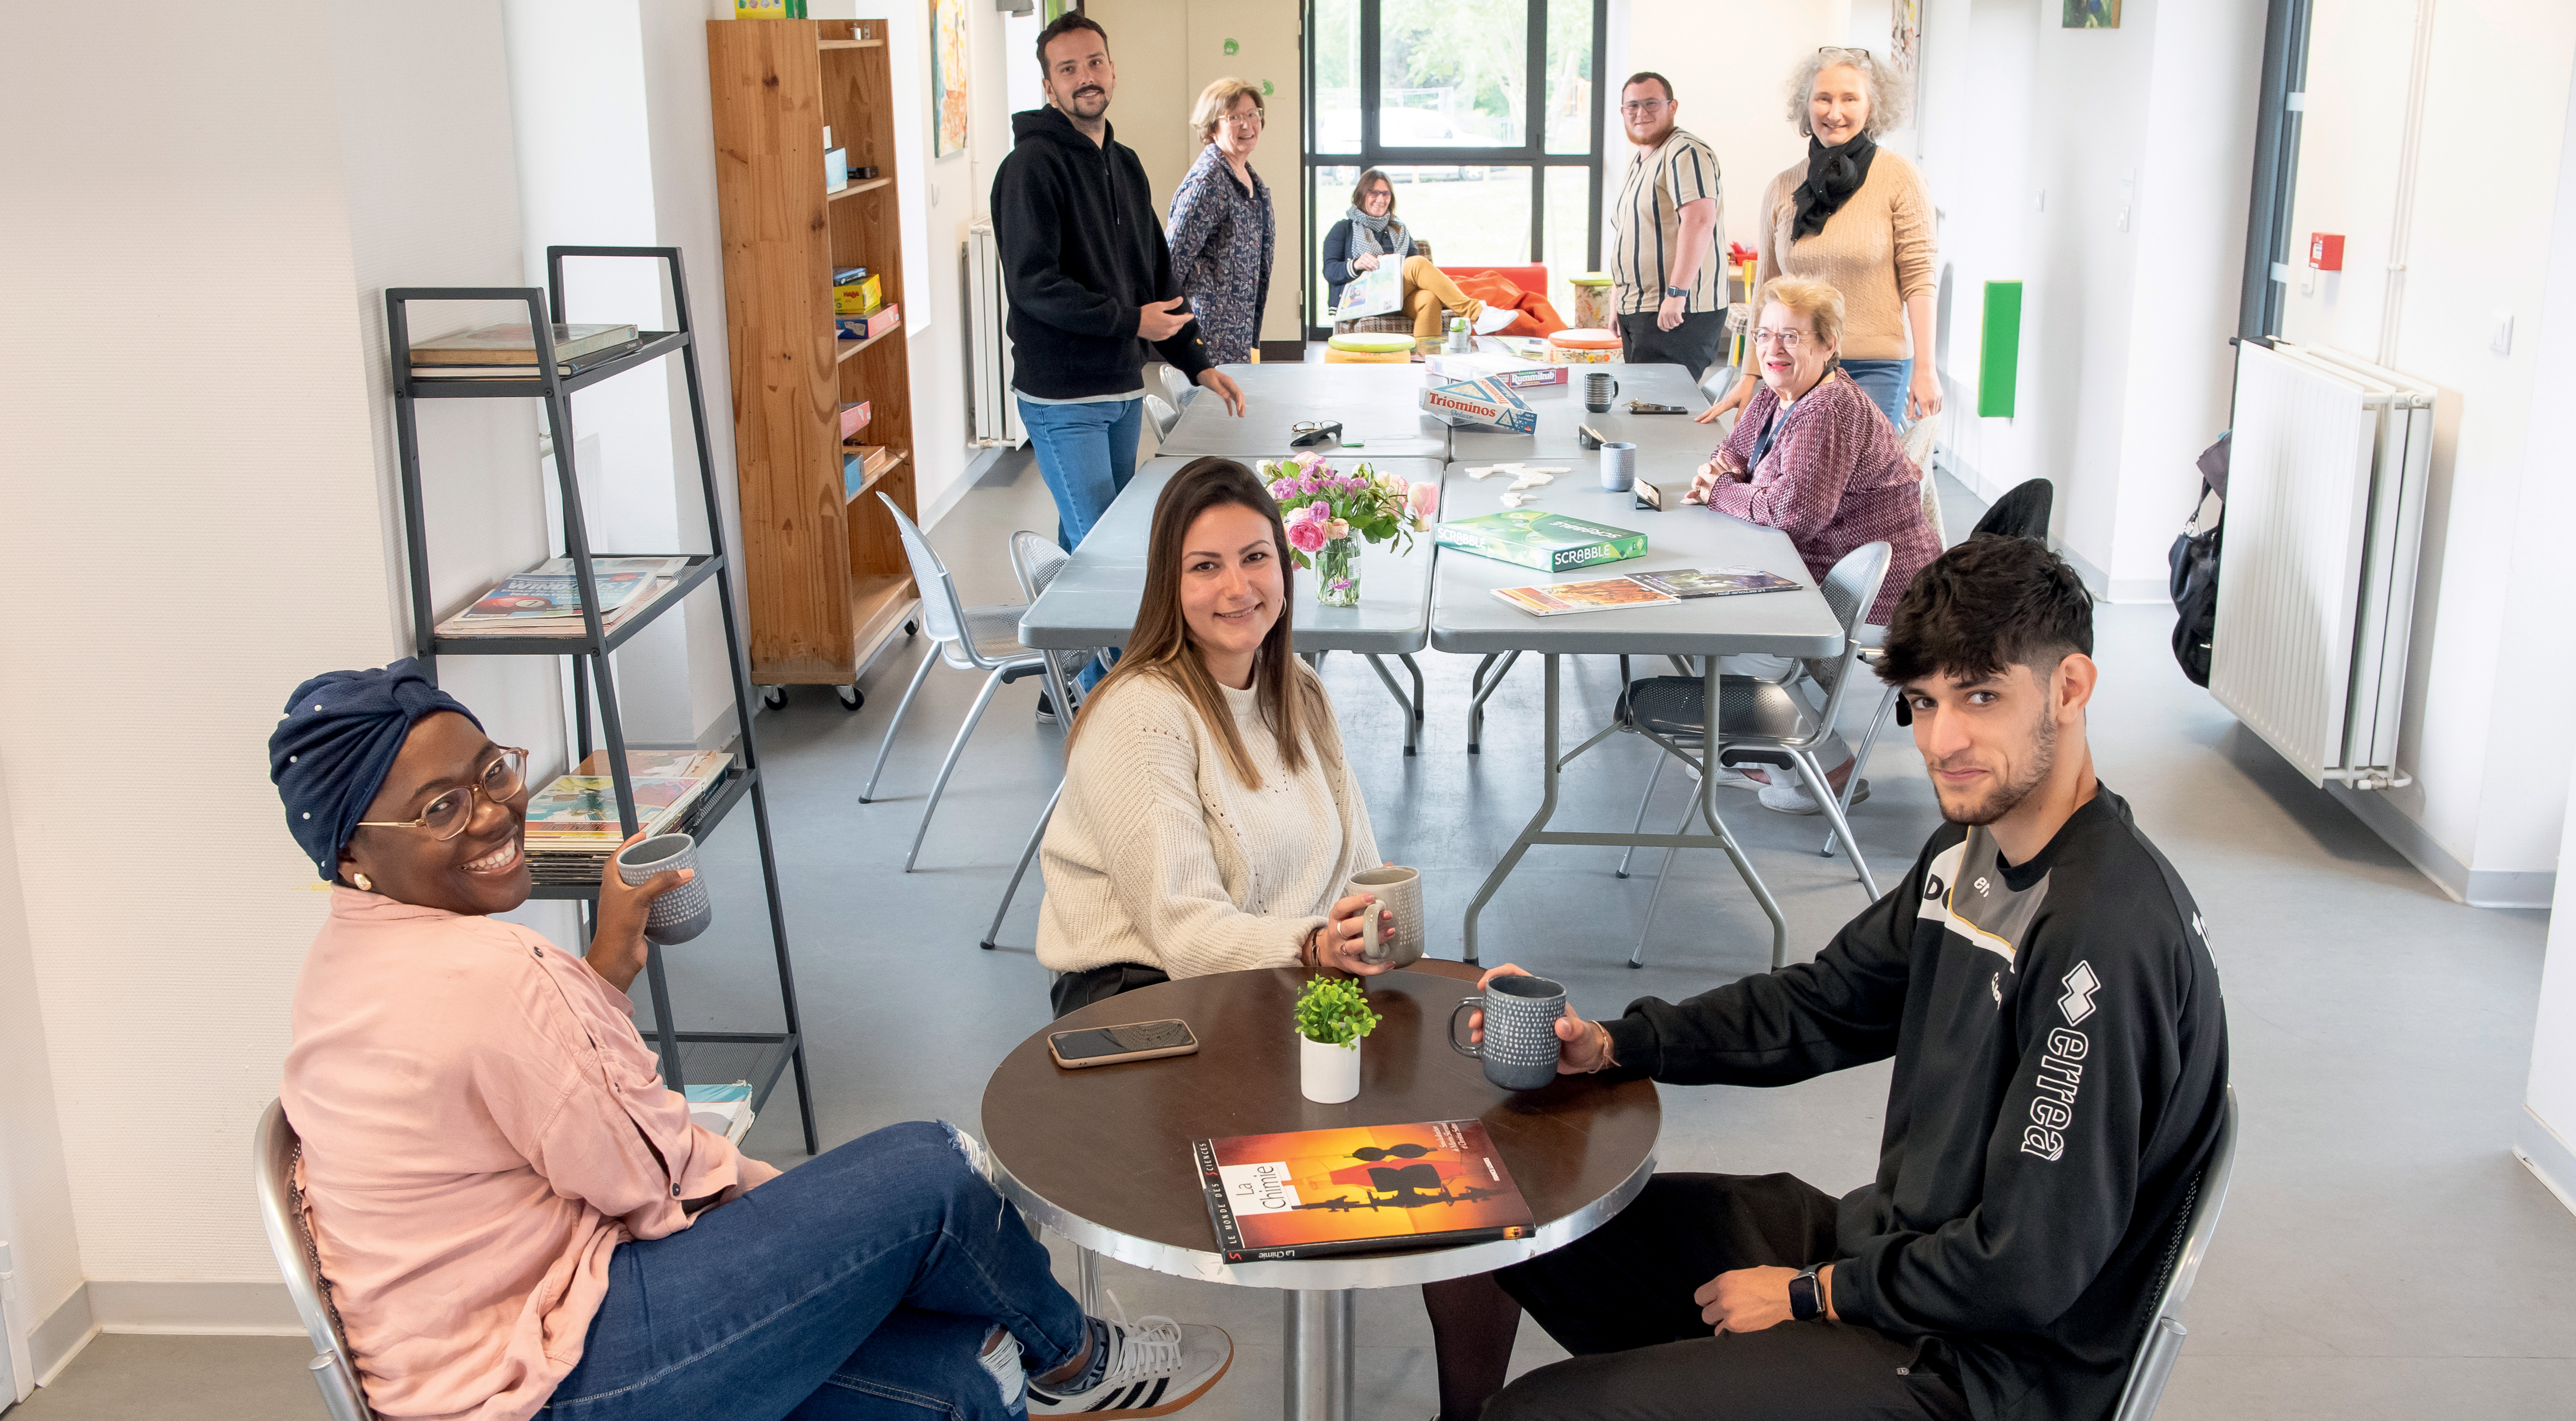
(1152, 1367)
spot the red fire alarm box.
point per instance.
(2325, 251)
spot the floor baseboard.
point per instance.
(2547, 1157)
(195, 1308)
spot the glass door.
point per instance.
(1484, 115)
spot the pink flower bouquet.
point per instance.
(1320, 504)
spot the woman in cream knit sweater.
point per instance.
(1209, 820)
(1859, 219)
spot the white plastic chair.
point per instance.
(1162, 416)
(272, 1170)
(985, 639)
(2183, 1256)
(1035, 560)
(1760, 721)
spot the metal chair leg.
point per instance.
(1822, 788)
(918, 676)
(1860, 761)
(1640, 825)
(948, 766)
(1037, 836)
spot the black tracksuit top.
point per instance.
(1082, 255)
(2061, 1053)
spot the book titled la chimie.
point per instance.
(1358, 1189)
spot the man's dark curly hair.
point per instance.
(1991, 602)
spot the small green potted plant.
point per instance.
(1332, 1016)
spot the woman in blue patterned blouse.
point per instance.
(1222, 231)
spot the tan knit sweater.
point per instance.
(1877, 251)
(1159, 855)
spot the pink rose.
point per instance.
(1426, 500)
(1306, 535)
(1337, 529)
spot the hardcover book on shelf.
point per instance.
(1358, 1189)
(1548, 542)
(1557, 599)
(1713, 582)
(523, 370)
(579, 810)
(508, 344)
(544, 600)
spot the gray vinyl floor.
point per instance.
(2382, 1253)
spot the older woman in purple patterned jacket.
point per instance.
(1223, 231)
(1815, 458)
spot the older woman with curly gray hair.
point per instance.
(1858, 218)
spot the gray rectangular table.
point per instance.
(1467, 617)
(1379, 405)
(1560, 409)
(1092, 602)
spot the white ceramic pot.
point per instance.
(1328, 1074)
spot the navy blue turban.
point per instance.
(335, 747)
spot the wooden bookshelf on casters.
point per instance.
(824, 566)
(759, 1057)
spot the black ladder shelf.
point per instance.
(590, 651)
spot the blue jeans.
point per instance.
(859, 1285)
(1086, 453)
(1884, 382)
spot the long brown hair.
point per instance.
(1291, 698)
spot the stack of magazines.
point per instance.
(546, 599)
(573, 825)
(509, 352)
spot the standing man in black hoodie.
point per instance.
(1090, 282)
(2044, 987)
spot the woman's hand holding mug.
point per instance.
(1342, 942)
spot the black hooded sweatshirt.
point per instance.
(2061, 1058)
(1082, 255)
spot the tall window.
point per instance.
(1483, 112)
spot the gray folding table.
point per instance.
(1467, 617)
(1092, 602)
(1379, 405)
(1560, 409)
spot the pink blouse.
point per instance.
(482, 1126)
(1836, 476)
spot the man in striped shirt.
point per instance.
(1664, 234)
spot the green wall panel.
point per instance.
(1999, 354)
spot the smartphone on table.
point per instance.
(1109, 1045)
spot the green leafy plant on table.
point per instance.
(1334, 1013)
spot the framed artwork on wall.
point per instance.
(2092, 15)
(948, 77)
(1905, 35)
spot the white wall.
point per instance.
(36, 1220)
(2546, 1139)
(2488, 234)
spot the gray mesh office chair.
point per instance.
(272, 1171)
(1035, 560)
(2183, 1255)
(985, 639)
(1760, 722)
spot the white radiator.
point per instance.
(2316, 580)
(988, 376)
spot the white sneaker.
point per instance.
(1792, 798)
(1156, 1367)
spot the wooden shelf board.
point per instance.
(872, 480)
(853, 347)
(870, 185)
(853, 44)
(878, 604)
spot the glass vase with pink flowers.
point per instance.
(1329, 514)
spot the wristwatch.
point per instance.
(1806, 1295)
(1676, 291)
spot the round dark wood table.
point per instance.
(1102, 1155)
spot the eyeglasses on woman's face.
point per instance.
(453, 808)
(1247, 120)
(1787, 338)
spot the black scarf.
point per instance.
(1833, 175)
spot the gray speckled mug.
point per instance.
(1520, 1047)
(685, 911)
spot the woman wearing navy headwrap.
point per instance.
(515, 1216)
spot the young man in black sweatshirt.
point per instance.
(2044, 985)
(1090, 282)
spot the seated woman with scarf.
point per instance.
(1370, 236)
(516, 1217)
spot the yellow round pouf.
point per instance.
(1356, 348)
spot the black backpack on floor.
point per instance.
(2193, 563)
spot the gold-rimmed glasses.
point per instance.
(1787, 339)
(448, 814)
